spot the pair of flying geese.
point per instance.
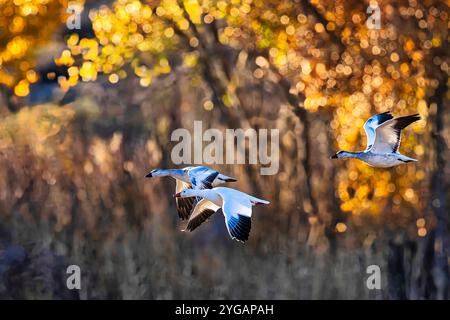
(198, 195)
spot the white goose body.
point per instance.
(236, 207)
(386, 160)
(188, 173)
(383, 141)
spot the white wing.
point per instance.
(198, 171)
(388, 134)
(202, 211)
(372, 123)
(204, 180)
(202, 171)
(237, 212)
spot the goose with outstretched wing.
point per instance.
(236, 207)
(383, 141)
(190, 177)
(371, 125)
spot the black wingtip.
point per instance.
(240, 227)
(212, 176)
(403, 122)
(208, 181)
(385, 116)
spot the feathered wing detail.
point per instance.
(204, 181)
(202, 211)
(402, 123)
(383, 117)
(370, 134)
(185, 205)
(372, 123)
(239, 227)
(199, 173)
(388, 134)
(237, 218)
(195, 172)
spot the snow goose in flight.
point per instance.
(383, 140)
(184, 179)
(236, 207)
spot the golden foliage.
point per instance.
(298, 45)
(333, 61)
(25, 26)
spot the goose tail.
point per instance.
(223, 178)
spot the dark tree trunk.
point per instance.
(396, 271)
(438, 199)
(6, 104)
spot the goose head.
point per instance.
(153, 173)
(176, 173)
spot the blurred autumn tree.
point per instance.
(25, 26)
(329, 68)
(324, 54)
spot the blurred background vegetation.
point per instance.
(86, 113)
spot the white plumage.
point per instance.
(236, 207)
(383, 141)
(190, 177)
